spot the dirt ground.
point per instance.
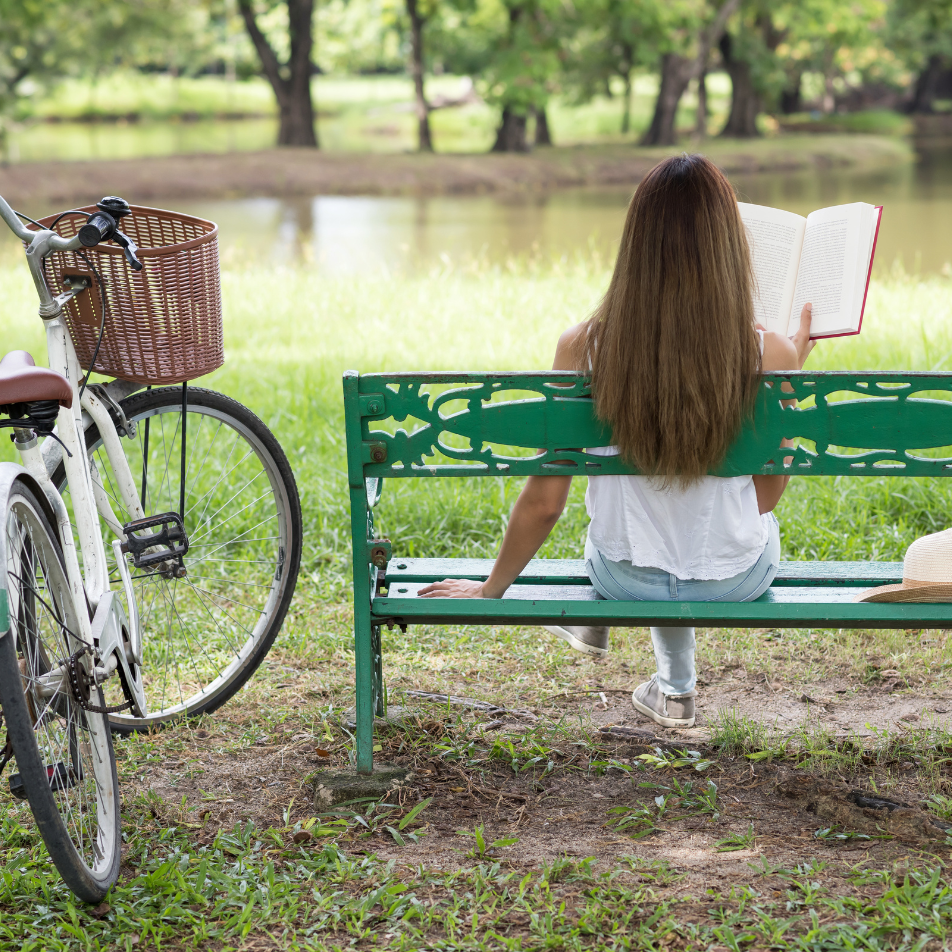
(295, 172)
(874, 812)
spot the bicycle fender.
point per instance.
(10, 475)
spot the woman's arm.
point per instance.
(533, 517)
(537, 510)
(783, 353)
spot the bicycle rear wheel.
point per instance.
(65, 762)
(204, 635)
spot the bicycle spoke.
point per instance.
(198, 630)
(229, 581)
(237, 538)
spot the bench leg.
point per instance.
(363, 651)
(380, 703)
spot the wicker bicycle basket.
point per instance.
(164, 323)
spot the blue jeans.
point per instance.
(674, 647)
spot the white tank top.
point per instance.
(713, 529)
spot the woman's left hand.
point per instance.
(453, 588)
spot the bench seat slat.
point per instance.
(782, 606)
(572, 572)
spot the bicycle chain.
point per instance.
(80, 682)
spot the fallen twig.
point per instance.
(643, 736)
(472, 703)
(550, 697)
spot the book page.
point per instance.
(835, 249)
(775, 239)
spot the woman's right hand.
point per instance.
(801, 340)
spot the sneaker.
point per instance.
(668, 710)
(589, 639)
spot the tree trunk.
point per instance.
(511, 134)
(700, 120)
(745, 100)
(924, 92)
(424, 141)
(626, 114)
(677, 71)
(290, 81)
(542, 134)
(791, 100)
(675, 76)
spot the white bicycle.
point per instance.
(150, 539)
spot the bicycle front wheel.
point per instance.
(64, 757)
(203, 635)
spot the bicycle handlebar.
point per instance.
(14, 223)
(56, 242)
(101, 226)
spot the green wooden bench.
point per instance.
(474, 424)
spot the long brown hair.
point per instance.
(673, 347)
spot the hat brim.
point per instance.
(907, 593)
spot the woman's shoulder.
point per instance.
(567, 349)
(779, 352)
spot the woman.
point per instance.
(675, 358)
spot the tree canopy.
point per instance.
(520, 53)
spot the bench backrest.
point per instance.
(846, 424)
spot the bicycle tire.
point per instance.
(64, 753)
(271, 574)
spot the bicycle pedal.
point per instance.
(61, 777)
(150, 548)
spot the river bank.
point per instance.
(304, 172)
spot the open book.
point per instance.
(824, 259)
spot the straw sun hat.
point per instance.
(926, 573)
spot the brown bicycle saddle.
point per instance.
(21, 381)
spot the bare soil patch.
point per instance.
(295, 172)
(568, 803)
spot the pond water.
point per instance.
(361, 234)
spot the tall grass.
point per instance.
(291, 333)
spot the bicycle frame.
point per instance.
(118, 638)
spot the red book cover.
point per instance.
(872, 255)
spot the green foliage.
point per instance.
(360, 36)
(735, 733)
(609, 39)
(833, 834)
(675, 759)
(524, 68)
(736, 841)
(482, 847)
(940, 805)
(42, 40)
(520, 53)
(835, 39)
(920, 29)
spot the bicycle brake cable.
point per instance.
(46, 605)
(102, 290)
(102, 320)
(32, 221)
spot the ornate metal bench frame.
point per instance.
(521, 424)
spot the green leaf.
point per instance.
(504, 841)
(397, 837)
(414, 813)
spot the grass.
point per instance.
(245, 883)
(876, 121)
(237, 859)
(159, 115)
(289, 338)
